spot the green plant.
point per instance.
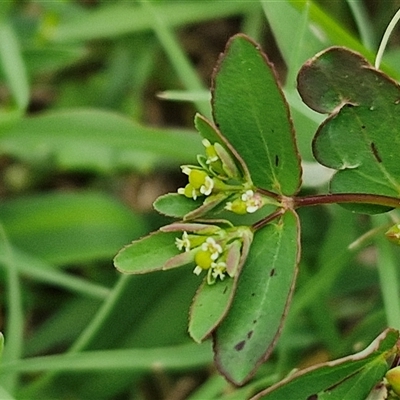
(252, 168)
(87, 144)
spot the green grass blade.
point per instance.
(40, 271)
(365, 28)
(174, 358)
(120, 19)
(15, 321)
(176, 55)
(13, 66)
(388, 276)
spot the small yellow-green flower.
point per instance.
(219, 251)
(248, 202)
(200, 183)
(211, 153)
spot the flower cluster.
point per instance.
(219, 251)
(218, 173)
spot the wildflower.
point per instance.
(221, 251)
(218, 270)
(211, 246)
(252, 200)
(183, 243)
(200, 183)
(248, 202)
(212, 155)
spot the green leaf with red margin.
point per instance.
(360, 138)
(247, 335)
(147, 254)
(251, 112)
(349, 378)
(176, 205)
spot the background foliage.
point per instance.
(86, 146)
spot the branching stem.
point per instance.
(359, 198)
(319, 199)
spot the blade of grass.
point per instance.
(13, 66)
(334, 31)
(42, 272)
(296, 60)
(15, 321)
(5, 395)
(364, 26)
(253, 24)
(102, 314)
(385, 38)
(173, 358)
(121, 19)
(388, 276)
(176, 55)
(91, 330)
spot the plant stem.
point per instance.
(359, 198)
(260, 224)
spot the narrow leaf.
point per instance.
(13, 65)
(247, 335)
(349, 378)
(96, 140)
(252, 114)
(360, 138)
(147, 254)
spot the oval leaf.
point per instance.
(360, 137)
(176, 205)
(210, 305)
(248, 333)
(147, 254)
(252, 114)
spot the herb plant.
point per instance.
(238, 223)
(97, 101)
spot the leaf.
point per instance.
(176, 205)
(96, 140)
(252, 114)
(210, 305)
(168, 358)
(247, 335)
(349, 378)
(13, 65)
(65, 228)
(112, 20)
(147, 254)
(360, 138)
(211, 302)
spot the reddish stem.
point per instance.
(359, 198)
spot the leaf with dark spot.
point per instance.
(240, 345)
(261, 301)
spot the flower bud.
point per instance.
(393, 234)
(393, 378)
